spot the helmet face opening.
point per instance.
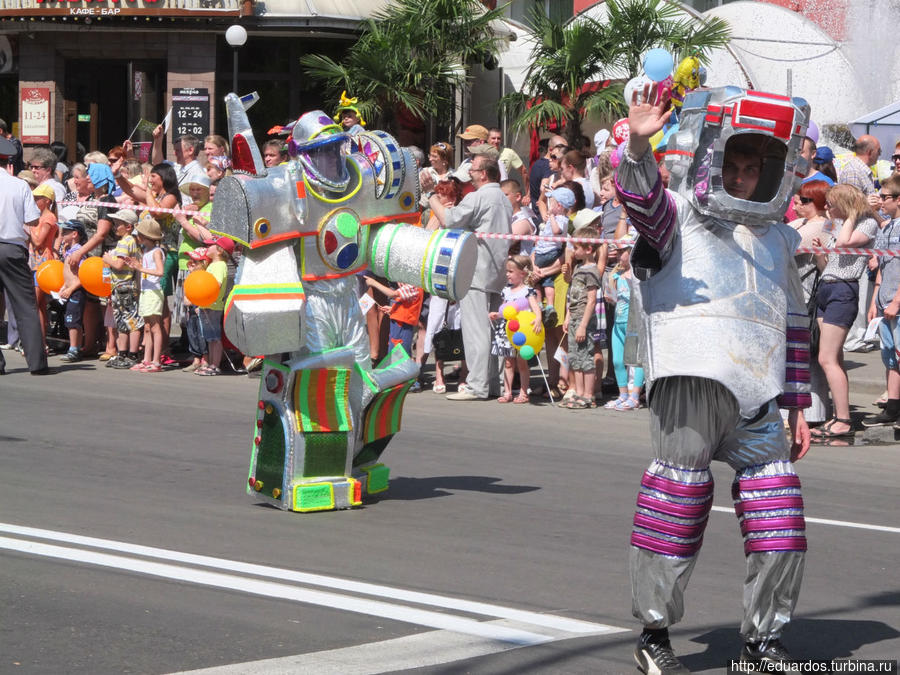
(736, 153)
(325, 162)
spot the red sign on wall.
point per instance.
(35, 117)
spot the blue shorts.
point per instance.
(211, 324)
(837, 302)
(402, 334)
(75, 309)
(545, 260)
(890, 339)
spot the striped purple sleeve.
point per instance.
(653, 214)
(796, 376)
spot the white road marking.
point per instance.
(383, 592)
(412, 651)
(825, 521)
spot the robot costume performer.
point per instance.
(339, 206)
(724, 342)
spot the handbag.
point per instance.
(448, 342)
(811, 307)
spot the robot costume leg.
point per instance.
(689, 416)
(769, 507)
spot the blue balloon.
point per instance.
(702, 75)
(658, 64)
(518, 339)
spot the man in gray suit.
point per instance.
(485, 210)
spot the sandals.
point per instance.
(616, 402)
(506, 398)
(439, 389)
(575, 403)
(522, 398)
(825, 433)
(208, 371)
(152, 368)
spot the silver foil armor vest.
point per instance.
(717, 307)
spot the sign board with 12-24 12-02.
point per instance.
(190, 112)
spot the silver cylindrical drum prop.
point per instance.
(442, 262)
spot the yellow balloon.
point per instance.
(509, 312)
(532, 339)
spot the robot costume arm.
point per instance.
(796, 361)
(650, 207)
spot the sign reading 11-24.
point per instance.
(190, 112)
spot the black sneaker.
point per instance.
(768, 652)
(120, 362)
(657, 658)
(882, 419)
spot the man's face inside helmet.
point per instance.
(740, 173)
(753, 167)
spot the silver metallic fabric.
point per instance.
(694, 421)
(718, 307)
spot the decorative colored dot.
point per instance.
(347, 256)
(258, 485)
(406, 200)
(257, 440)
(261, 404)
(269, 409)
(259, 424)
(252, 481)
(262, 227)
(513, 325)
(330, 242)
(518, 339)
(276, 493)
(347, 225)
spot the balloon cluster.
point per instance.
(520, 328)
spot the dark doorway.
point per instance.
(105, 100)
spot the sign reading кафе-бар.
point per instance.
(119, 8)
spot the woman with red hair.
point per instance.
(809, 205)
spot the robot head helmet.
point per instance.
(736, 155)
(321, 148)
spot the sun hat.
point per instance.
(127, 216)
(198, 254)
(564, 196)
(585, 217)
(223, 242)
(200, 179)
(474, 131)
(824, 154)
(44, 190)
(149, 228)
(28, 176)
(100, 175)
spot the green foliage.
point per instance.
(566, 56)
(412, 53)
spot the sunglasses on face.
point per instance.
(804, 200)
(895, 157)
(883, 197)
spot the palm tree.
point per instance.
(578, 69)
(411, 55)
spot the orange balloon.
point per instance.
(91, 276)
(201, 288)
(49, 275)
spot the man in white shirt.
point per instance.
(18, 210)
(187, 147)
(485, 210)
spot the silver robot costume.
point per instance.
(724, 341)
(341, 205)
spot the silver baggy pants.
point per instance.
(693, 421)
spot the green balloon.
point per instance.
(527, 352)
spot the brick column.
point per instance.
(40, 65)
(192, 63)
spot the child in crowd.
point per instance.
(125, 296)
(40, 245)
(578, 324)
(219, 251)
(547, 255)
(630, 379)
(404, 310)
(522, 222)
(197, 260)
(518, 286)
(151, 266)
(72, 237)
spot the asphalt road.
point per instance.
(127, 543)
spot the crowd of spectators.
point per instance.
(103, 205)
